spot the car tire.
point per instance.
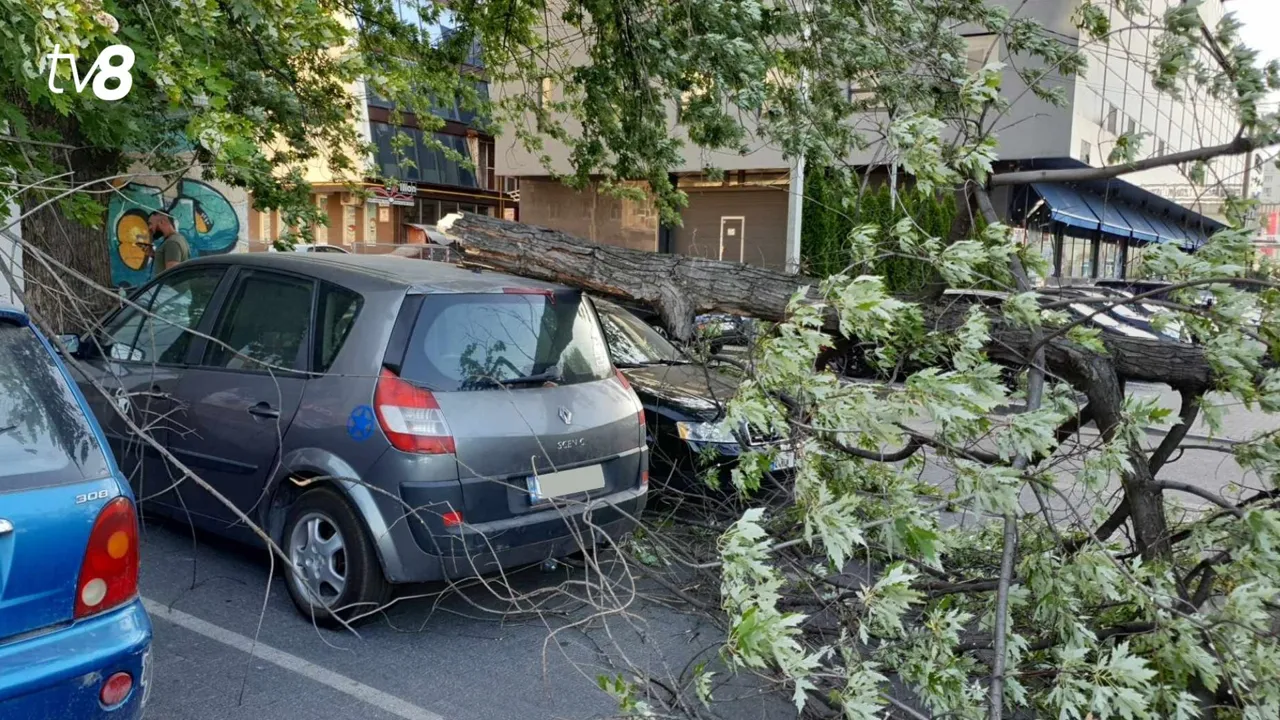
(328, 578)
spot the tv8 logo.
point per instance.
(113, 63)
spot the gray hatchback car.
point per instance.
(386, 420)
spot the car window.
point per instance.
(45, 438)
(469, 342)
(174, 306)
(632, 341)
(264, 325)
(122, 330)
(336, 317)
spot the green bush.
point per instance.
(833, 208)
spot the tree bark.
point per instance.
(679, 287)
(66, 302)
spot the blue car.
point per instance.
(74, 637)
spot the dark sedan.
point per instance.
(683, 402)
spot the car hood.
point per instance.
(697, 390)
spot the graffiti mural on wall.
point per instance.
(199, 212)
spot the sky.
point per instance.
(1261, 20)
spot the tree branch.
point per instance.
(1238, 146)
(1200, 492)
(1190, 409)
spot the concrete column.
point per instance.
(795, 213)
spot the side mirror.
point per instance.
(71, 343)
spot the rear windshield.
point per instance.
(45, 438)
(484, 341)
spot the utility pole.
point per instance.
(795, 190)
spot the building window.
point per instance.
(1077, 257)
(1109, 256)
(545, 91)
(982, 51)
(1086, 152)
(430, 163)
(1113, 119)
(1131, 127)
(862, 92)
(1162, 148)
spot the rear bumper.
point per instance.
(482, 548)
(60, 674)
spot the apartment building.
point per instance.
(1087, 230)
(426, 182)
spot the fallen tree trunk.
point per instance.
(679, 287)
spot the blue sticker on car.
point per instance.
(360, 424)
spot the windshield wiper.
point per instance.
(551, 376)
(7, 428)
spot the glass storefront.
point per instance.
(1110, 259)
(1077, 255)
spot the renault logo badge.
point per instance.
(566, 416)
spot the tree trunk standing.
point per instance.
(67, 302)
(54, 240)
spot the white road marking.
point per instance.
(341, 683)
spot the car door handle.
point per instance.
(264, 410)
(6, 527)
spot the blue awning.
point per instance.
(1168, 231)
(1066, 206)
(1142, 229)
(1112, 221)
(1198, 236)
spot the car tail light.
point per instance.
(453, 518)
(410, 417)
(116, 689)
(627, 385)
(644, 478)
(109, 573)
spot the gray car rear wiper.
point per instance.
(551, 376)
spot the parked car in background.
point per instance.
(721, 330)
(1134, 286)
(310, 248)
(683, 402)
(74, 637)
(320, 249)
(1109, 321)
(386, 421)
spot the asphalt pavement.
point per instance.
(229, 645)
(450, 657)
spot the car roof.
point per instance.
(14, 312)
(372, 271)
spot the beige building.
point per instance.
(426, 183)
(744, 216)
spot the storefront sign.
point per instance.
(1187, 191)
(402, 196)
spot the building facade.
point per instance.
(744, 215)
(412, 182)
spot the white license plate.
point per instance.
(566, 482)
(784, 460)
